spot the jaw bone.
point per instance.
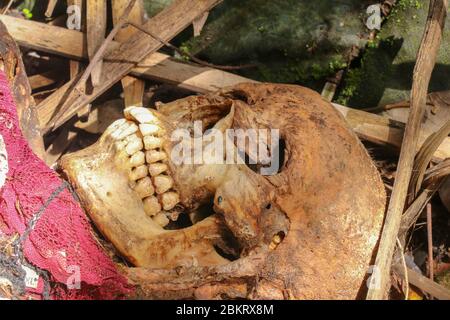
(131, 200)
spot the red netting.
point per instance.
(61, 241)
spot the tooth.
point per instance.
(151, 206)
(137, 159)
(169, 200)
(144, 187)
(161, 219)
(142, 115)
(152, 142)
(125, 130)
(153, 156)
(149, 129)
(134, 146)
(162, 183)
(155, 169)
(130, 138)
(139, 173)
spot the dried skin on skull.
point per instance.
(307, 232)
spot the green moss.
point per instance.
(292, 41)
(384, 75)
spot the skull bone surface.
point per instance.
(306, 231)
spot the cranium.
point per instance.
(306, 232)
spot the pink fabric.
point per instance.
(61, 241)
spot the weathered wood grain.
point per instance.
(133, 88)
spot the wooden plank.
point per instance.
(133, 88)
(74, 65)
(157, 66)
(383, 130)
(96, 29)
(170, 22)
(41, 80)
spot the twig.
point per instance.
(426, 60)
(405, 268)
(191, 57)
(430, 242)
(416, 208)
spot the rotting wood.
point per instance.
(119, 63)
(96, 19)
(133, 88)
(426, 59)
(12, 64)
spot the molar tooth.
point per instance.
(140, 114)
(134, 146)
(161, 219)
(153, 156)
(169, 200)
(137, 159)
(139, 173)
(149, 129)
(144, 188)
(162, 183)
(151, 206)
(156, 169)
(125, 130)
(152, 142)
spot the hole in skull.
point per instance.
(277, 159)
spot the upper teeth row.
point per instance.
(149, 175)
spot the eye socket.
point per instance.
(279, 165)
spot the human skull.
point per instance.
(306, 231)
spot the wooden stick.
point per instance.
(157, 66)
(77, 87)
(199, 23)
(424, 284)
(50, 8)
(133, 88)
(430, 242)
(119, 63)
(426, 59)
(96, 30)
(74, 65)
(5, 10)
